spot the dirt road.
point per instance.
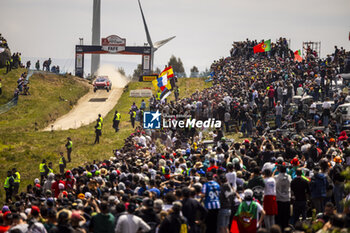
(90, 105)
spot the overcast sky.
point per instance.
(204, 29)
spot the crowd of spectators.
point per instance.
(3, 42)
(169, 180)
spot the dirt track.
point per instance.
(88, 108)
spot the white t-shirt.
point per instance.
(326, 105)
(142, 140)
(270, 186)
(312, 108)
(231, 178)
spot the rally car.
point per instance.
(102, 82)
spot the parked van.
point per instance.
(345, 110)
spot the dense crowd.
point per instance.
(170, 180)
(3, 42)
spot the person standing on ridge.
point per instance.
(98, 130)
(116, 120)
(37, 65)
(69, 147)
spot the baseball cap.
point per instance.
(35, 210)
(248, 193)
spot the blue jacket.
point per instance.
(318, 185)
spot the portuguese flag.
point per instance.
(245, 220)
(297, 56)
(263, 47)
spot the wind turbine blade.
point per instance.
(160, 43)
(149, 40)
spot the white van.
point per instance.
(345, 110)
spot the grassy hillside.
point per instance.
(24, 148)
(51, 97)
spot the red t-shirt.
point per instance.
(4, 229)
(212, 167)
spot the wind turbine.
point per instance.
(156, 45)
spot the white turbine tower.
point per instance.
(96, 35)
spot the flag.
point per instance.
(165, 93)
(263, 47)
(163, 82)
(155, 84)
(168, 71)
(245, 218)
(297, 56)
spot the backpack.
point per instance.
(183, 228)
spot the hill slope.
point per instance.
(26, 147)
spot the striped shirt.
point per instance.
(211, 190)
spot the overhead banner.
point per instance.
(113, 44)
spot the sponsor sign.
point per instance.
(149, 78)
(79, 60)
(113, 44)
(146, 62)
(113, 49)
(141, 93)
(113, 40)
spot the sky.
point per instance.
(204, 29)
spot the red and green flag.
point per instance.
(262, 47)
(297, 56)
(245, 220)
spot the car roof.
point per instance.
(344, 105)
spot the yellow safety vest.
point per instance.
(7, 183)
(118, 116)
(51, 170)
(61, 161)
(41, 168)
(99, 126)
(158, 95)
(18, 178)
(101, 120)
(70, 144)
(134, 114)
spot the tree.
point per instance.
(194, 71)
(177, 65)
(157, 71)
(137, 72)
(121, 71)
(205, 73)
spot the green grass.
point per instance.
(24, 148)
